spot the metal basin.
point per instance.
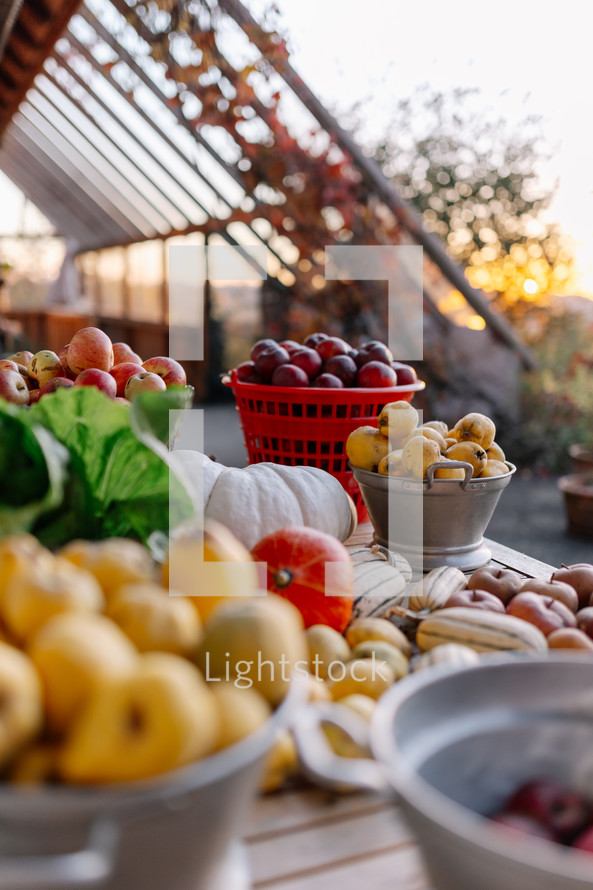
(455, 743)
(174, 833)
(453, 515)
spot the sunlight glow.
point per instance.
(530, 286)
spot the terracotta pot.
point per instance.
(582, 458)
(578, 502)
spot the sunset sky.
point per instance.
(523, 60)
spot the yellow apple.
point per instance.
(113, 562)
(74, 653)
(18, 550)
(209, 558)
(162, 717)
(242, 712)
(37, 591)
(156, 621)
(21, 714)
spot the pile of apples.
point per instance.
(105, 677)
(562, 607)
(323, 361)
(90, 359)
(549, 810)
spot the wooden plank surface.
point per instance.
(310, 839)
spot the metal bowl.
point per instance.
(455, 743)
(435, 522)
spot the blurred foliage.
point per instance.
(477, 184)
(557, 399)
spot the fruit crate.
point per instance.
(302, 426)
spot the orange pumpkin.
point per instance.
(311, 569)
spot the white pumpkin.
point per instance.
(261, 498)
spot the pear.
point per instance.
(160, 718)
(449, 472)
(36, 592)
(21, 703)
(494, 468)
(156, 621)
(477, 428)
(495, 452)
(74, 653)
(418, 454)
(470, 453)
(366, 447)
(391, 464)
(396, 420)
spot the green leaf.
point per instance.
(119, 485)
(32, 471)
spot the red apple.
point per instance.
(122, 352)
(308, 359)
(90, 348)
(44, 365)
(313, 339)
(121, 374)
(63, 356)
(7, 365)
(268, 360)
(54, 384)
(144, 382)
(569, 638)
(331, 346)
(122, 401)
(21, 358)
(376, 374)
(580, 576)
(543, 611)
(328, 381)
(171, 371)
(31, 384)
(246, 373)
(376, 352)
(558, 590)
(13, 388)
(259, 347)
(584, 841)
(503, 583)
(585, 620)
(476, 599)
(34, 396)
(563, 811)
(524, 824)
(341, 366)
(289, 345)
(101, 379)
(406, 374)
(289, 375)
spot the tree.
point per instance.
(477, 185)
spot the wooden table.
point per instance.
(310, 839)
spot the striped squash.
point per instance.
(480, 630)
(433, 591)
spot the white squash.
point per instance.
(261, 498)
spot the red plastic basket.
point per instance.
(298, 426)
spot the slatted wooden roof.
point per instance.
(117, 143)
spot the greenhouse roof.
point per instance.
(125, 121)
